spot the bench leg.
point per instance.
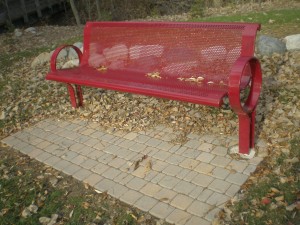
(246, 132)
(79, 95)
(252, 134)
(72, 95)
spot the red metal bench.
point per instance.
(201, 63)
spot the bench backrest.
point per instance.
(169, 49)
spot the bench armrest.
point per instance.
(58, 50)
(245, 72)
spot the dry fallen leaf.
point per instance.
(102, 69)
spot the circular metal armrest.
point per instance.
(236, 85)
(58, 50)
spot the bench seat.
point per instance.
(127, 81)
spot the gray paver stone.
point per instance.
(220, 161)
(71, 169)
(206, 147)
(174, 159)
(111, 173)
(43, 156)
(198, 208)
(205, 157)
(150, 189)
(189, 163)
(204, 195)
(217, 199)
(211, 215)
(89, 163)
(136, 183)
(93, 179)
(130, 197)
(130, 136)
(61, 164)
(219, 150)
(165, 195)
(145, 203)
(118, 190)
(99, 168)
(123, 178)
(69, 155)
(52, 160)
(184, 187)
(172, 170)
(204, 168)
(232, 190)
(79, 159)
(34, 153)
(220, 186)
(237, 178)
(181, 201)
(249, 169)
(104, 185)
(82, 174)
(162, 210)
(238, 166)
(202, 180)
(154, 142)
(195, 220)
(178, 217)
(161, 155)
(191, 153)
(96, 154)
(168, 182)
(220, 172)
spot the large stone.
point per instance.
(41, 59)
(292, 42)
(72, 53)
(62, 55)
(71, 64)
(295, 59)
(267, 45)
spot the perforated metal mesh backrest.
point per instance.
(172, 51)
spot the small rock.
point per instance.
(18, 33)
(53, 220)
(53, 181)
(30, 30)
(268, 45)
(2, 116)
(33, 208)
(44, 220)
(26, 213)
(291, 207)
(292, 42)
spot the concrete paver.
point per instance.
(162, 210)
(186, 184)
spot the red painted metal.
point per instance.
(249, 67)
(193, 62)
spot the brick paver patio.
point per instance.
(186, 184)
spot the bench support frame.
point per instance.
(246, 111)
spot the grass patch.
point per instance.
(273, 21)
(279, 190)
